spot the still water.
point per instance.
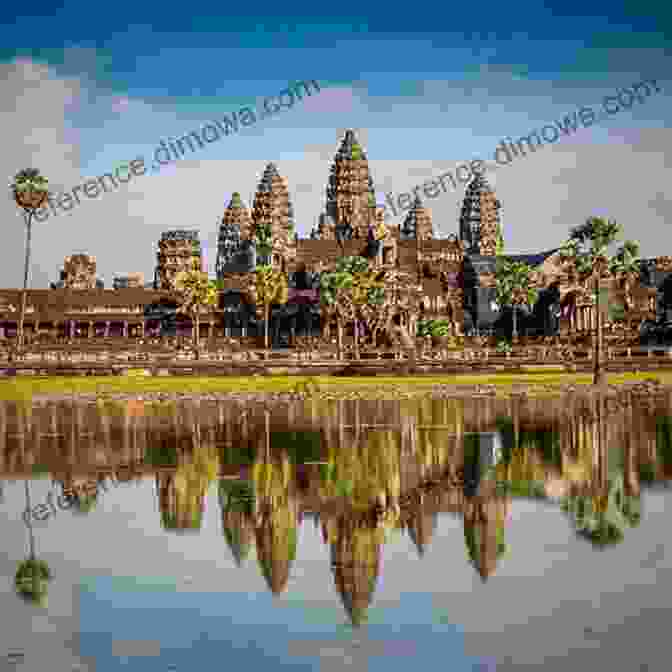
(473, 534)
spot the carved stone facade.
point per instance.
(351, 200)
(664, 263)
(79, 272)
(178, 251)
(480, 225)
(236, 227)
(273, 209)
(417, 224)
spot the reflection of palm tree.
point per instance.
(182, 494)
(237, 504)
(32, 575)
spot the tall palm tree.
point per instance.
(514, 287)
(263, 240)
(270, 288)
(196, 292)
(32, 575)
(587, 248)
(625, 265)
(30, 192)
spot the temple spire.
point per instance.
(351, 201)
(480, 225)
(418, 222)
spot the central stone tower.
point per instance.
(351, 200)
(480, 225)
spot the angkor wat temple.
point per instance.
(456, 274)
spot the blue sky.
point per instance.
(95, 86)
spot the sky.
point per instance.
(84, 89)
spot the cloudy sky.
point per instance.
(84, 89)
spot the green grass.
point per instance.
(24, 388)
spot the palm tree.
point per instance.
(270, 288)
(625, 265)
(195, 291)
(513, 287)
(29, 192)
(263, 240)
(587, 248)
(32, 575)
(333, 290)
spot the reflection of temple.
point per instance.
(355, 563)
(484, 520)
(404, 466)
(421, 529)
(276, 551)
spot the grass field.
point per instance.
(24, 388)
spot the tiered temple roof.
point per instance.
(480, 225)
(273, 209)
(351, 200)
(235, 227)
(418, 223)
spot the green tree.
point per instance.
(30, 191)
(270, 288)
(499, 249)
(513, 287)
(195, 292)
(587, 248)
(625, 266)
(354, 292)
(263, 241)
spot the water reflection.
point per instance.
(361, 471)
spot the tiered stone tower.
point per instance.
(236, 226)
(273, 208)
(480, 225)
(178, 251)
(351, 200)
(417, 224)
(79, 272)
